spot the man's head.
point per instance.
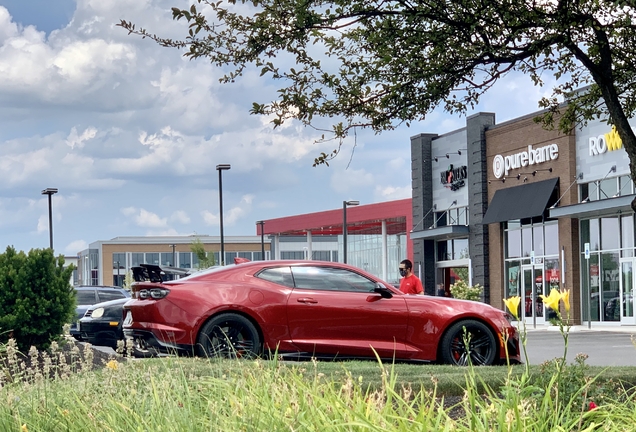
(405, 267)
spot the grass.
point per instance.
(170, 394)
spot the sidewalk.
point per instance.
(596, 327)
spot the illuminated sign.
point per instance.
(604, 143)
(501, 165)
(453, 178)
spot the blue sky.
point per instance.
(130, 133)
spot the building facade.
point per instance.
(544, 210)
(106, 262)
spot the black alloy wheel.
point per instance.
(469, 342)
(229, 336)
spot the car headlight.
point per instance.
(98, 313)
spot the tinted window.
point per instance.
(278, 275)
(86, 297)
(330, 279)
(107, 295)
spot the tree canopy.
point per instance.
(380, 63)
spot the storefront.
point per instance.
(606, 225)
(522, 210)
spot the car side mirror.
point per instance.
(383, 291)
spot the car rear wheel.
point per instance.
(476, 344)
(229, 336)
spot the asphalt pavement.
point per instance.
(611, 346)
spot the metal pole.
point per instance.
(344, 232)
(50, 222)
(118, 273)
(262, 224)
(222, 256)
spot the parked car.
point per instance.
(101, 325)
(86, 296)
(310, 309)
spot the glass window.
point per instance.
(460, 249)
(320, 255)
(594, 235)
(292, 255)
(108, 295)
(137, 258)
(247, 255)
(229, 258)
(608, 188)
(85, 297)
(257, 256)
(185, 259)
(512, 282)
(609, 283)
(440, 219)
(513, 243)
(625, 185)
(551, 239)
(444, 250)
(526, 241)
(609, 233)
(119, 260)
(462, 218)
(627, 235)
(278, 275)
(167, 259)
(537, 240)
(331, 279)
(584, 191)
(152, 258)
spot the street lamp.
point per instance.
(262, 224)
(49, 192)
(174, 259)
(220, 168)
(344, 227)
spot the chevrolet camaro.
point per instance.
(310, 309)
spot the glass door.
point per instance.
(532, 287)
(622, 307)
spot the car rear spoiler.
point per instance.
(154, 273)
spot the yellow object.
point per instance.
(565, 296)
(552, 301)
(512, 304)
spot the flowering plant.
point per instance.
(461, 290)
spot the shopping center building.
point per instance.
(521, 210)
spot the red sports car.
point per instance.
(310, 308)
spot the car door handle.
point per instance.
(306, 300)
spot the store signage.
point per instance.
(502, 165)
(454, 178)
(604, 143)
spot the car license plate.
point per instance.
(128, 319)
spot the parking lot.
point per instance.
(604, 347)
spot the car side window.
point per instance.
(107, 295)
(278, 275)
(85, 297)
(331, 279)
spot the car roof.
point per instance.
(109, 303)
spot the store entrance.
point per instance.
(622, 307)
(532, 287)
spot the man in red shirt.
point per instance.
(409, 284)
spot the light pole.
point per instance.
(50, 192)
(344, 227)
(220, 168)
(118, 283)
(262, 224)
(174, 259)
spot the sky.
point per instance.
(130, 134)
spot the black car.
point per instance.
(101, 325)
(87, 296)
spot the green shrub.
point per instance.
(36, 297)
(461, 290)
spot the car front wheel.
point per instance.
(468, 342)
(229, 336)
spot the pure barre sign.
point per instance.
(502, 165)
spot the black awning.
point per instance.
(520, 202)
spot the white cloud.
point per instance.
(180, 216)
(78, 140)
(75, 247)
